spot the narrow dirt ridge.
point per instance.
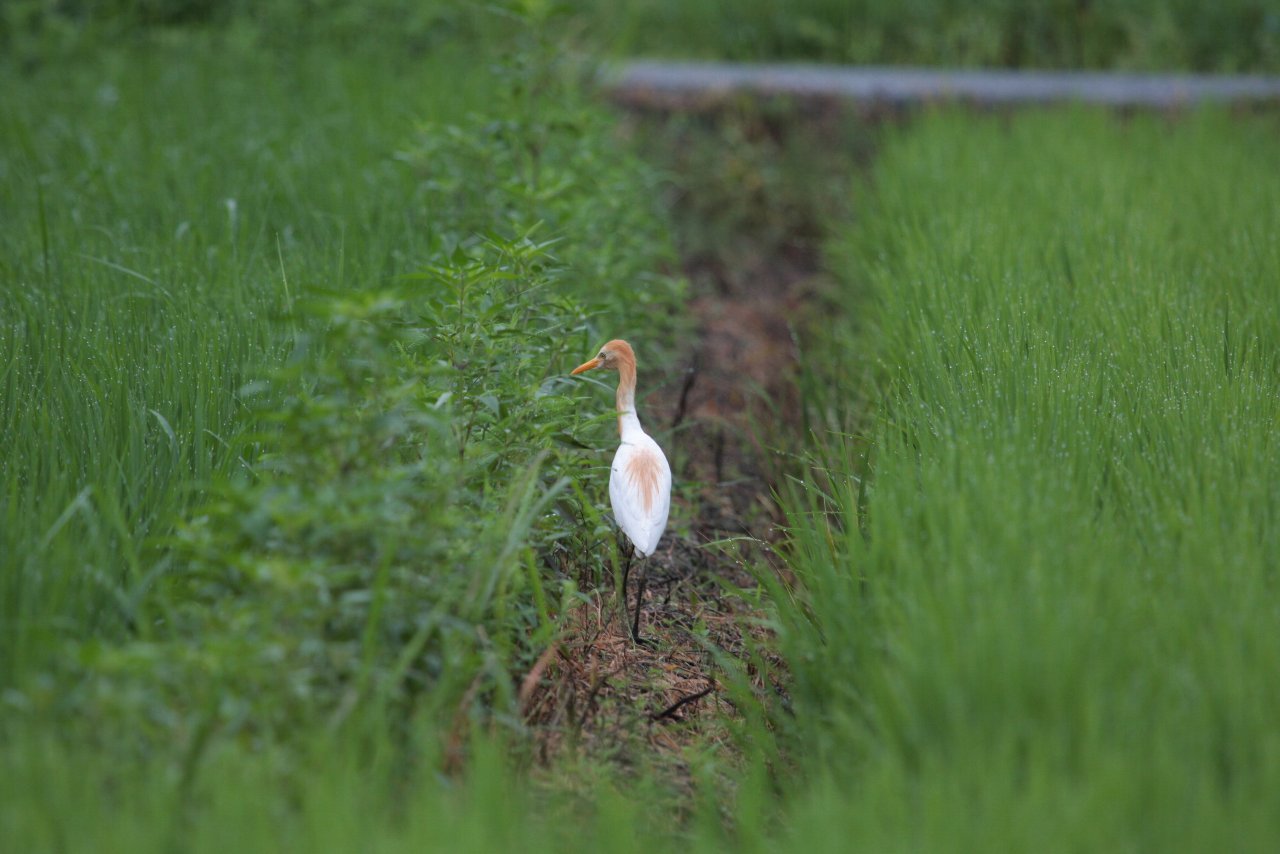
(600, 689)
(598, 692)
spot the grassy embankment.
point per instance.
(1038, 601)
(287, 438)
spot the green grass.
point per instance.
(251, 800)
(1038, 602)
(159, 213)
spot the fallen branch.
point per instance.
(683, 701)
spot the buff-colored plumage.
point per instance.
(640, 492)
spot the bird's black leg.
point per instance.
(635, 625)
(628, 552)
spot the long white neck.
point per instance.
(628, 421)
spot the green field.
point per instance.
(159, 212)
(1037, 560)
(294, 491)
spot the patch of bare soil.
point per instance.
(598, 690)
(731, 395)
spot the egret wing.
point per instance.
(640, 491)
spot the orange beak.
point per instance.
(586, 366)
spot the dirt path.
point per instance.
(608, 692)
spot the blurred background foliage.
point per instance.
(37, 30)
(1228, 36)
(1236, 35)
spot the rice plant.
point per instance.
(1037, 591)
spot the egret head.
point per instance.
(613, 356)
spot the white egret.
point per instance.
(640, 478)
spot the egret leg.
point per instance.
(635, 625)
(629, 552)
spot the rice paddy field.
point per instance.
(158, 212)
(1039, 599)
(297, 501)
